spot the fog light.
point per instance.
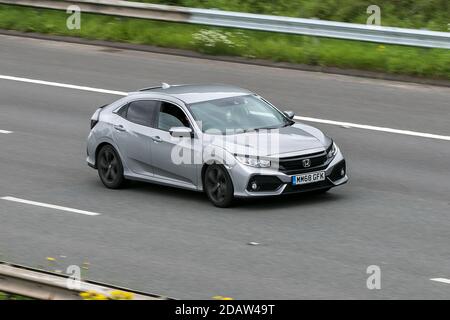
(342, 172)
(254, 185)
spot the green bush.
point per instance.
(430, 14)
(7, 296)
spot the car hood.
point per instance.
(296, 139)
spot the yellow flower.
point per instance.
(85, 295)
(222, 298)
(92, 295)
(121, 295)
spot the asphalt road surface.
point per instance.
(394, 213)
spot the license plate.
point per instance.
(308, 178)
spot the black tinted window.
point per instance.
(142, 112)
(171, 116)
(123, 111)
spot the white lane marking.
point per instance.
(374, 128)
(308, 119)
(50, 206)
(443, 280)
(63, 85)
(5, 131)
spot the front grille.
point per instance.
(295, 165)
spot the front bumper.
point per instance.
(273, 182)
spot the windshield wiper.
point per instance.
(270, 128)
(267, 128)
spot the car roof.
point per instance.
(193, 93)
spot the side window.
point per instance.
(123, 111)
(142, 112)
(171, 116)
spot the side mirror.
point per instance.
(289, 114)
(180, 132)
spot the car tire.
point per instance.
(218, 186)
(110, 168)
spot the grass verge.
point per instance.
(421, 62)
(7, 296)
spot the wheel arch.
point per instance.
(100, 146)
(202, 174)
(208, 164)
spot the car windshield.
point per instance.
(237, 114)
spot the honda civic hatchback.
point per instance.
(222, 140)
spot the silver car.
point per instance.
(223, 140)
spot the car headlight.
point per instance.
(254, 162)
(332, 150)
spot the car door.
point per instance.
(173, 158)
(132, 134)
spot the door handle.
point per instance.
(119, 127)
(156, 139)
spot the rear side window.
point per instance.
(123, 111)
(141, 112)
